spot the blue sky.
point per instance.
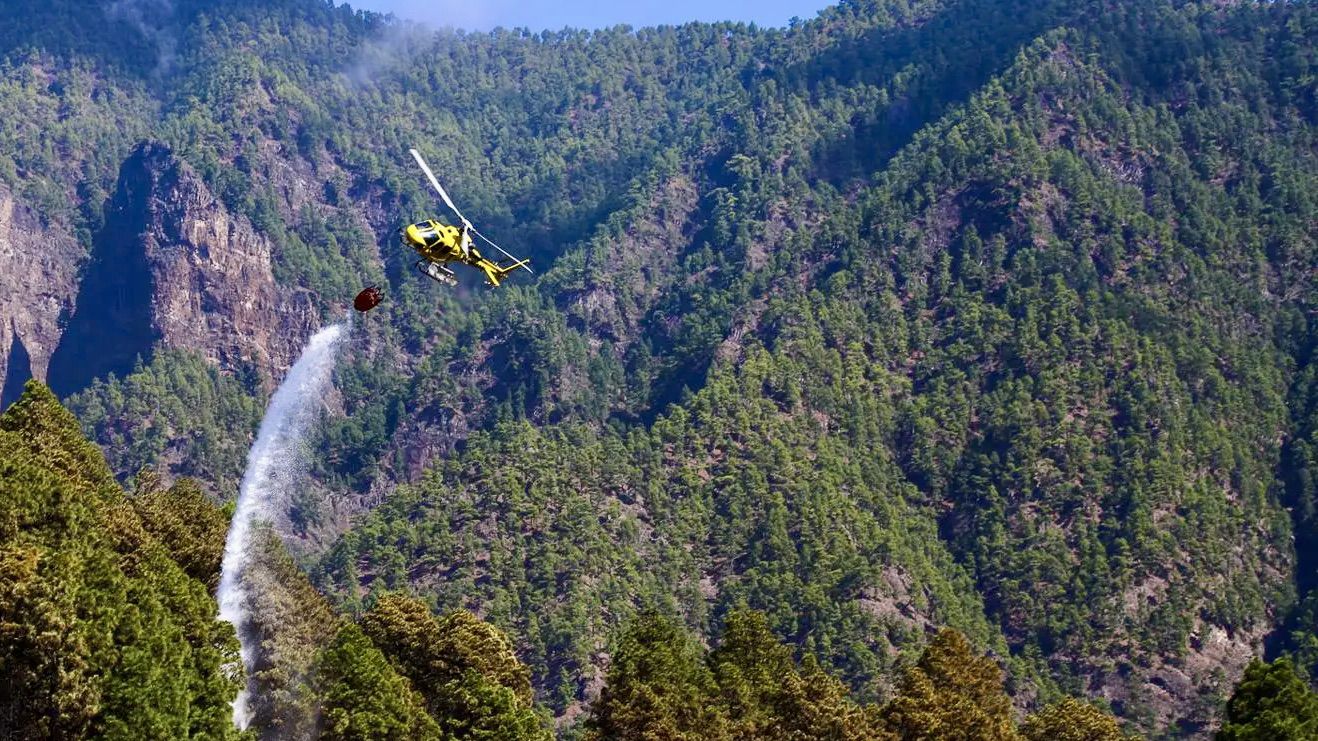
(482, 15)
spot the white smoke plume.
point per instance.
(410, 31)
(151, 18)
(464, 14)
(275, 464)
(388, 50)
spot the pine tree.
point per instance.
(750, 667)
(101, 633)
(951, 694)
(364, 699)
(766, 696)
(1071, 720)
(292, 624)
(657, 687)
(190, 526)
(465, 669)
(1271, 703)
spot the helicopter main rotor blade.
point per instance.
(502, 250)
(438, 188)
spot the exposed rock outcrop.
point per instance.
(174, 268)
(38, 281)
(623, 276)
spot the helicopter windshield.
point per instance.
(423, 233)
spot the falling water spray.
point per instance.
(274, 466)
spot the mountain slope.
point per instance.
(1055, 290)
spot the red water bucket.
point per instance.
(368, 299)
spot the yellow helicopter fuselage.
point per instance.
(435, 241)
(440, 243)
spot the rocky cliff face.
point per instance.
(38, 281)
(174, 268)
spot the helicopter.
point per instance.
(440, 244)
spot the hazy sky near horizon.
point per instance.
(539, 15)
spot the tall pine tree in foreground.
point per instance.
(951, 694)
(105, 630)
(1072, 720)
(657, 687)
(768, 697)
(1271, 703)
(464, 669)
(364, 699)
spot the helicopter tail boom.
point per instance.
(494, 273)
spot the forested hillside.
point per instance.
(107, 628)
(980, 314)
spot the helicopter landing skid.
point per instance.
(437, 272)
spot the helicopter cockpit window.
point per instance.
(427, 233)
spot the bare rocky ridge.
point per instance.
(174, 268)
(38, 281)
(623, 276)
